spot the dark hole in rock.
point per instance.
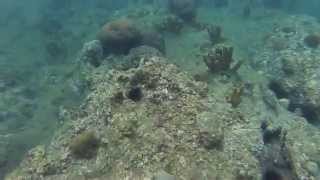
(310, 113)
(135, 94)
(272, 174)
(278, 90)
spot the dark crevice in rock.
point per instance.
(297, 103)
(310, 113)
(272, 174)
(278, 90)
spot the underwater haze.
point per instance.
(160, 89)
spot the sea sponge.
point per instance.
(185, 9)
(219, 58)
(84, 145)
(119, 36)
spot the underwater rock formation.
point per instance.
(148, 119)
(119, 36)
(185, 9)
(294, 69)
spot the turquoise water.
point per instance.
(40, 41)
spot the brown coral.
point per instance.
(235, 97)
(119, 36)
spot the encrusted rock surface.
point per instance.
(173, 128)
(155, 122)
(292, 66)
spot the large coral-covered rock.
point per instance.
(290, 59)
(152, 121)
(119, 36)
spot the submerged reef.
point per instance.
(149, 120)
(154, 121)
(146, 118)
(294, 68)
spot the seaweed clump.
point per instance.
(84, 145)
(119, 36)
(219, 58)
(312, 40)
